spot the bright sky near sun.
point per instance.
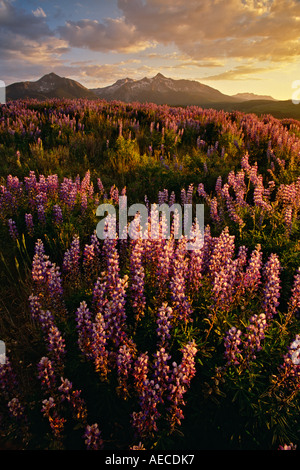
(232, 45)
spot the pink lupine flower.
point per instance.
(294, 302)
(271, 290)
(137, 276)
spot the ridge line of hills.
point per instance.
(158, 89)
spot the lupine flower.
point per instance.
(84, 328)
(8, 380)
(294, 302)
(233, 346)
(98, 346)
(140, 446)
(145, 421)
(49, 410)
(271, 291)
(73, 397)
(222, 251)
(92, 437)
(161, 369)
(140, 372)
(180, 379)
(164, 323)
(224, 283)
(71, 262)
(124, 364)
(29, 224)
(41, 214)
(289, 370)
(137, 278)
(180, 303)
(56, 345)
(252, 278)
(57, 213)
(290, 446)
(255, 334)
(46, 373)
(13, 231)
(16, 409)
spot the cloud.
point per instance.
(240, 72)
(18, 22)
(39, 13)
(106, 36)
(258, 29)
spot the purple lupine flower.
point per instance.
(13, 231)
(290, 368)
(252, 277)
(91, 258)
(224, 283)
(100, 186)
(92, 437)
(49, 410)
(8, 379)
(46, 373)
(56, 345)
(57, 214)
(40, 263)
(98, 346)
(195, 261)
(222, 251)
(54, 284)
(53, 337)
(115, 313)
(255, 334)
(124, 365)
(41, 214)
(201, 191)
(233, 346)
(180, 303)
(137, 276)
(16, 409)
(271, 290)
(294, 302)
(65, 388)
(84, 202)
(29, 224)
(180, 380)
(74, 398)
(84, 328)
(288, 217)
(214, 211)
(99, 293)
(71, 262)
(161, 370)
(140, 372)
(88, 261)
(145, 421)
(258, 195)
(46, 277)
(164, 323)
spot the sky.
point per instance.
(232, 45)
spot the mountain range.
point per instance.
(158, 89)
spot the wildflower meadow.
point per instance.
(137, 342)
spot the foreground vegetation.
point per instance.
(142, 342)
